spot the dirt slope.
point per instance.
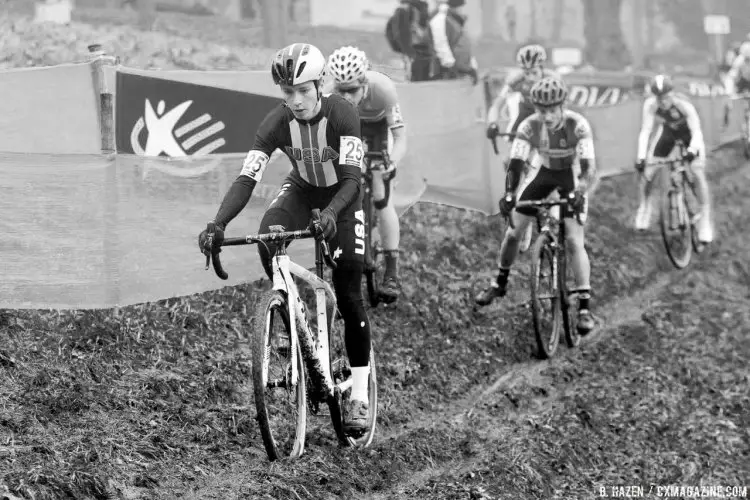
(155, 404)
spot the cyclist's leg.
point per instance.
(390, 228)
(535, 187)
(522, 112)
(348, 247)
(662, 147)
(579, 257)
(290, 209)
(703, 193)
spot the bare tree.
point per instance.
(605, 44)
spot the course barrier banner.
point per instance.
(49, 110)
(89, 230)
(163, 117)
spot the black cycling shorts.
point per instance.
(542, 183)
(742, 86)
(375, 135)
(292, 209)
(668, 139)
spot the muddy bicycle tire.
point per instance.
(373, 254)
(568, 306)
(271, 307)
(547, 333)
(667, 206)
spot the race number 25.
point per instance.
(352, 150)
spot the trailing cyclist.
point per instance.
(679, 120)
(514, 95)
(561, 142)
(374, 95)
(738, 76)
(321, 137)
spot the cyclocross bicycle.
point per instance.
(374, 161)
(294, 370)
(679, 211)
(552, 302)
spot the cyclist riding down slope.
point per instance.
(514, 94)
(374, 95)
(515, 91)
(563, 145)
(321, 137)
(679, 120)
(738, 77)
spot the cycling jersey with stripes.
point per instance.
(323, 150)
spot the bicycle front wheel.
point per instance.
(545, 296)
(280, 401)
(676, 228)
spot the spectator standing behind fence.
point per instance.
(452, 44)
(408, 33)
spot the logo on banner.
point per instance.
(163, 136)
(593, 95)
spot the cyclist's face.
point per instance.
(551, 116)
(533, 74)
(665, 101)
(302, 99)
(354, 94)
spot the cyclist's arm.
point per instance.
(493, 114)
(585, 152)
(350, 157)
(694, 123)
(252, 171)
(520, 150)
(647, 125)
(396, 124)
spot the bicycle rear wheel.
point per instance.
(545, 296)
(280, 403)
(676, 229)
(341, 372)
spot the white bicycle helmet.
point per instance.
(298, 63)
(549, 91)
(745, 50)
(531, 56)
(348, 65)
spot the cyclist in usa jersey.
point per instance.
(677, 119)
(374, 95)
(321, 137)
(562, 143)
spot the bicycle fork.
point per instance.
(315, 353)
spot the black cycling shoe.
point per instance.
(585, 322)
(390, 289)
(492, 292)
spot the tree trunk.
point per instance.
(605, 44)
(557, 20)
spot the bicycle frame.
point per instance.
(283, 272)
